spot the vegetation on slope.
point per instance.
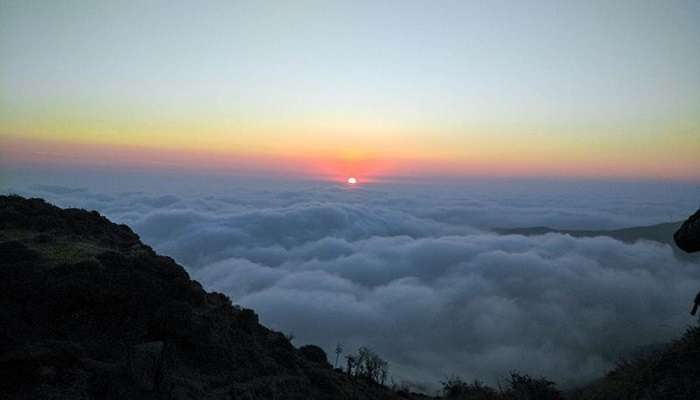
(88, 311)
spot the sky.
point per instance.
(223, 134)
(378, 90)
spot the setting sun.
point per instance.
(352, 180)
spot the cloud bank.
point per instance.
(414, 273)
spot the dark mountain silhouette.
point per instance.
(659, 232)
(88, 311)
(687, 237)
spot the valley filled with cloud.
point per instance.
(417, 273)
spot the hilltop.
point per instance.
(88, 311)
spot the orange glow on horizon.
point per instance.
(366, 169)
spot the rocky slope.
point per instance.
(671, 373)
(88, 311)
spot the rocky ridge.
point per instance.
(88, 311)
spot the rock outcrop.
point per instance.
(88, 311)
(687, 237)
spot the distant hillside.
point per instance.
(662, 233)
(89, 312)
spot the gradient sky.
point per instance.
(329, 89)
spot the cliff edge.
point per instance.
(88, 311)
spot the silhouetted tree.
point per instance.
(350, 364)
(368, 365)
(338, 352)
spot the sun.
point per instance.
(352, 180)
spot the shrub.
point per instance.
(517, 387)
(524, 387)
(456, 389)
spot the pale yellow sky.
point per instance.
(551, 89)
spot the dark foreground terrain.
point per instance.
(87, 311)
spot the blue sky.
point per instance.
(449, 84)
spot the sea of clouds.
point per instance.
(414, 272)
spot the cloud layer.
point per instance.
(413, 272)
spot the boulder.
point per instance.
(314, 354)
(687, 237)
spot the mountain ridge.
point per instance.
(91, 312)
